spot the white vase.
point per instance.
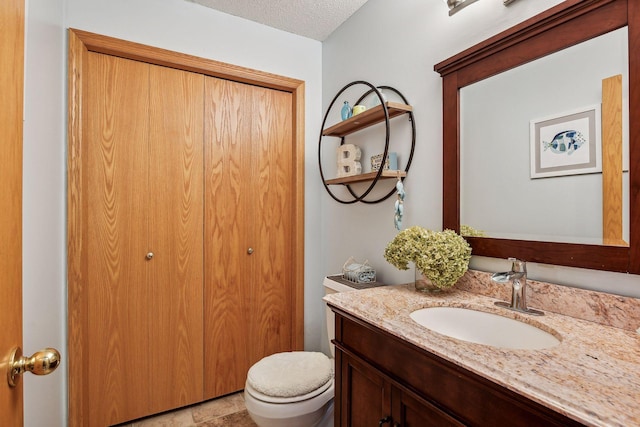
(375, 100)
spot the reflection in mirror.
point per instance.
(500, 195)
(559, 28)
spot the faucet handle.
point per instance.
(518, 265)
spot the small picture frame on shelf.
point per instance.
(390, 164)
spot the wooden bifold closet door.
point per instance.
(185, 228)
(248, 244)
(144, 222)
(176, 237)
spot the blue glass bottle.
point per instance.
(346, 111)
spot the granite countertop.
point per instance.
(592, 376)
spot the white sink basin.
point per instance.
(483, 328)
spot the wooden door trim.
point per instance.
(80, 44)
(167, 58)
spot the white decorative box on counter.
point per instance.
(358, 272)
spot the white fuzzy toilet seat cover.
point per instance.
(290, 374)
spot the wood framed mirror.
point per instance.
(563, 26)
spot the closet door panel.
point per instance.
(182, 192)
(175, 237)
(115, 109)
(272, 185)
(228, 306)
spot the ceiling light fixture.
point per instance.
(457, 5)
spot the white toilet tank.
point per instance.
(332, 287)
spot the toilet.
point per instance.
(294, 389)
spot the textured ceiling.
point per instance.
(315, 19)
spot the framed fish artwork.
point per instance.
(567, 143)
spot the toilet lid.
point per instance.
(290, 374)
(270, 399)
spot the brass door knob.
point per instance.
(150, 255)
(250, 251)
(42, 362)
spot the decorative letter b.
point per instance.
(348, 164)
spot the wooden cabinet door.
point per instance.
(368, 398)
(248, 237)
(410, 410)
(365, 395)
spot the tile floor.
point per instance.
(222, 412)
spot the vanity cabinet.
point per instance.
(382, 378)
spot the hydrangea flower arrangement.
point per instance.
(467, 230)
(442, 256)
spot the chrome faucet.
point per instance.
(518, 278)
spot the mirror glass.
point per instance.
(504, 194)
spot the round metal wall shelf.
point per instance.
(389, 111)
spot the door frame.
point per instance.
(80, 44)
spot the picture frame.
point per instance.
(566, 144)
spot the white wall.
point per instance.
(44, 248)
(397, 44)
(170, 24)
